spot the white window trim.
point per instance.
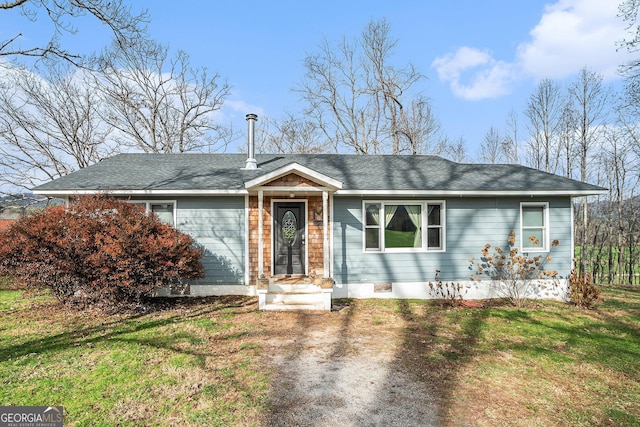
(423, 203)
(148, 203)
(545, 228)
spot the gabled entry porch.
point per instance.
(290, 238)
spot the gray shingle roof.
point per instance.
(202, 172)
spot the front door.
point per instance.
(289, 238)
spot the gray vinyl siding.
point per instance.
(470, 224)
(218, 225)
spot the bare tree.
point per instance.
(510, 144)
(621, 169)
(455, 151)
(492, 147)
(590, 99)
(61, 14)
(361, 102)
(159, 103)
(567, 135)
(292, 135)
(544, 111)
(49, 126)
(416, 129)
(628, 10)
(624, 167)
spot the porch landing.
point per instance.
(294, 293)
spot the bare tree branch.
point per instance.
(363, 103)
(158, 103)
(292, 135)
(61, 14)
(48, 127)
(544, 111)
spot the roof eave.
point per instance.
(472, 193)
(239, 192)
(138, 192)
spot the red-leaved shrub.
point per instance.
(99, 250)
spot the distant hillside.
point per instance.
(12, 206)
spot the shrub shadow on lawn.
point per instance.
(380, 363)
(110, 329)
(434, 354)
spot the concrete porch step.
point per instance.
(295, 293)
(280, 296)
(298, 288)
(293, 306)
(294, 297)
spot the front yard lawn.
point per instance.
(204, 361)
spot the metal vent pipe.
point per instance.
(251, 134)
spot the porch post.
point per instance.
(260, 232)
(325, 233)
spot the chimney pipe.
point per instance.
(251, 161)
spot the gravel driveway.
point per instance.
(331, 369)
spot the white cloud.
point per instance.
(233, 114)
(450, 65)
(573, 34)
(490, 78)
(570, 35)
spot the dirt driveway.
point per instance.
(345, 369)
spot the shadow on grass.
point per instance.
(438, 346)
(433, 349)
(434, 353)
(285, 407)
(342, 381)
(118, 329)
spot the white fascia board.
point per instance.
(61, 193)
(303, 171)
(452, 193)
(291, 189)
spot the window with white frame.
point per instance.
(534, 227)
(403, 226)
(164, 209)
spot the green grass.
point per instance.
(203, 362)
(566, 365)
(159, 369)
(599, 263)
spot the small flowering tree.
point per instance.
(513, 274)
(98, 251)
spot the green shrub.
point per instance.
(98, 251)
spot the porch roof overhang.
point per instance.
(323, 182)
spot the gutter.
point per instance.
(404, 193)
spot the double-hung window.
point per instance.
(403, 226)
(165, 210)
(534, 226)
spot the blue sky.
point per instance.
(482, 58)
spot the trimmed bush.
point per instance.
(99, 251)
